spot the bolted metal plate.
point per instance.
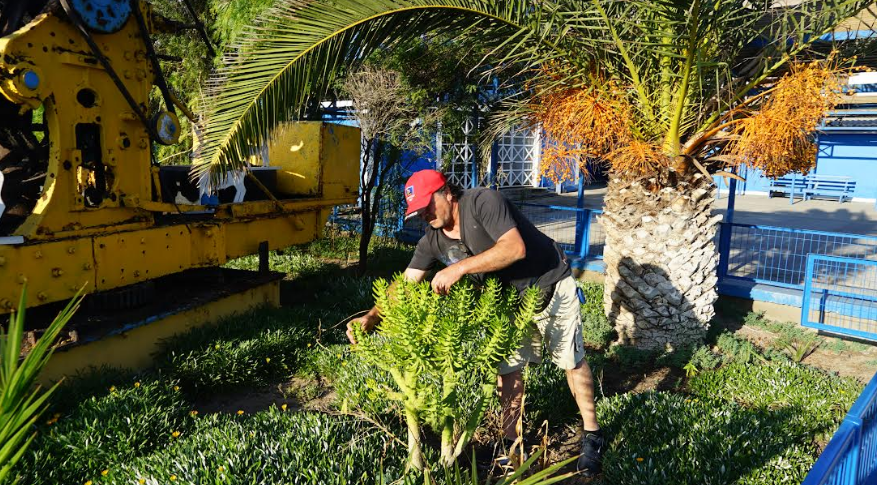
(103, 16)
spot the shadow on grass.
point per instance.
(660, 438)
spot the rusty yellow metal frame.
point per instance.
(126, 238)
(134, 348)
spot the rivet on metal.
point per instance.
(38, 254)
(71, 250)
(42, 296)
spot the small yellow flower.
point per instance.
(221, 468)
(176, 388)
(283, 407)
(88, 482)
(344, 363)
(240, 411)
(175, 434)
(112, 388)
(103, 473)
(141, 481)
(639, 459)
(173, 478)
(136, 384)
(309, 345)
(194, 412)
(216, 346)
(267, 359)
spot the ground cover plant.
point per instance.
(742, 415)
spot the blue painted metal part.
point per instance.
(778, 256)
(103, 16)
(850, 458)
(840, 296)
(31, 80)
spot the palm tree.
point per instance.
(668, 92)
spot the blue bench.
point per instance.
(831, 186)
(812, 186)
(789, 186)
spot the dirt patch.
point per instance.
(615, 380)
(297, 394)
(837, 356)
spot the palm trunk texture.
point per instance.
(661, 261)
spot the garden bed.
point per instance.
(271, 397)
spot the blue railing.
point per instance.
(840, 296)
(569, 226)
(851, 456)
(778, 256)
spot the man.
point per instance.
(478, 232)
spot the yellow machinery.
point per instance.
(87, 206)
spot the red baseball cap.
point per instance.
(419, 189)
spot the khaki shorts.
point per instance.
(560, 326)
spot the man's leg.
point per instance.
(511, 393)
(581, 384)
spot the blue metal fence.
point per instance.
(569, 226)
(850, 458)
(778, 256)
(840, 296)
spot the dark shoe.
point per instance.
(590, 462)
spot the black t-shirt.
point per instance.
(485, 215)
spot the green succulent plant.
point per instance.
(440, 350)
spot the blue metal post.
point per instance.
(585, 214)
(582, 221)
(792, 189)
(494, 153)
(726, 228)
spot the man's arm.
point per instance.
(368, 321)
(509, 248)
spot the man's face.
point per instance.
(439, 212)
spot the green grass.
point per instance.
(124, 421)
(269, 447)
(747, 415)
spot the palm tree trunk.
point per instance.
(661, 261)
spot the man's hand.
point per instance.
(366, 322)
(444, 279)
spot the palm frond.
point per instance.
(288, 61)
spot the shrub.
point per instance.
(704, 359)
(21, 402)
(442, 353)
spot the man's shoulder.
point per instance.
(482, 195)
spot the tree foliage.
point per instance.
(442, 353)
(673, 67)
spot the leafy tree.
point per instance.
(389, 124)
(441, 349)
(668, 92)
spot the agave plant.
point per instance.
(667, 92)
(21, 400)
(442, 353)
